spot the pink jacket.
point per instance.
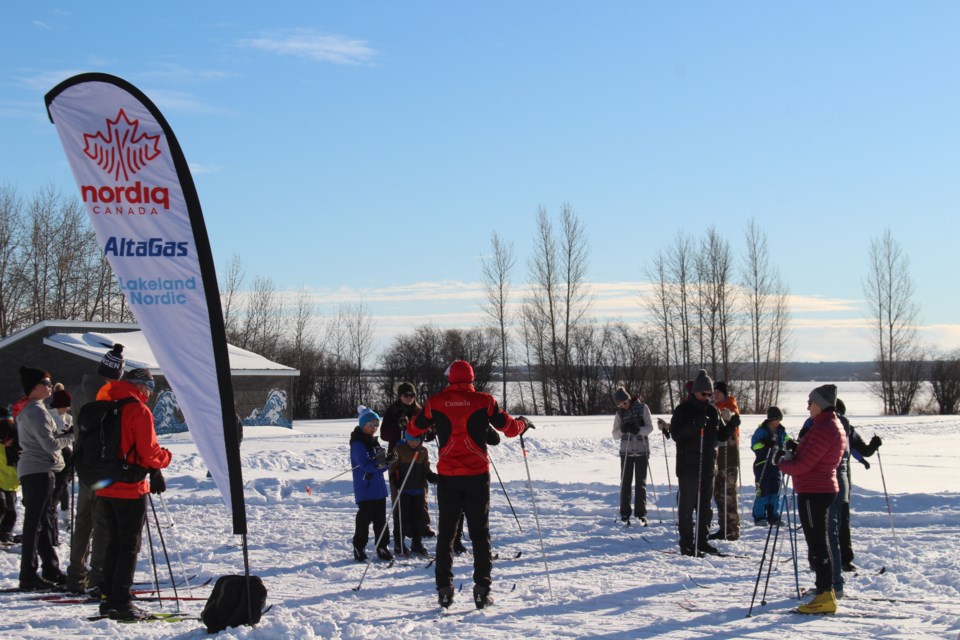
(819, 451)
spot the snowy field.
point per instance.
(607, 581)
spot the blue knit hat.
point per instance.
(367, 415)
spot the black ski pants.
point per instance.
(8, 515)
(375, 512)
(471, 495)
(39, 526)
(688, 511)
(633, 470)
(814, 509)
(408, 520)
(122, 520)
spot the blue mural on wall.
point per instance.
(169, 419)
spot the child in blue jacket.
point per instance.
(769, 438)
(369, 462)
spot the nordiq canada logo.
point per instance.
(122, 150)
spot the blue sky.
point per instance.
(368, 150)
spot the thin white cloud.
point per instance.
(169, 100)
(39, 24)
(309, 44)
(46, 80)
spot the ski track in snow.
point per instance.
(607, 581)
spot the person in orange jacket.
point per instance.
(121, 507)
(726, 480)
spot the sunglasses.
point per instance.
(409, 395)
(46, 383)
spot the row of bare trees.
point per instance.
(708, 307)
(51, 266)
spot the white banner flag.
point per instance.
(137, 188)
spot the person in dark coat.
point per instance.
(394, 424)
(695, 428)
(769, 438)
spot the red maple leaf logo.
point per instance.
(122, 150)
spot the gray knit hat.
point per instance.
(825, 396)
(702, 383)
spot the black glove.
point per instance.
(777, 456)
(430, 435)
(157, 484)
(630, 427)
(866, 465)
(791, 446)
(875, 442)
(403, 422)
(380, 457)
(432, 477)
(527, 422)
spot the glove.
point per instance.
(629, 426)
(403, 422)
(777, 456)
(789, 456)
(430, 435)
(875, 442)
(432, 477)
(791, 446)
(157, 484)
(664, 427)
(527, 422)
(726, 414)
(380, 457)
(866, 465)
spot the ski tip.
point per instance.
(882, 571)
(513, 588)
(519, 553)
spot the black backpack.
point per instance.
(235, 601)
(97, 456)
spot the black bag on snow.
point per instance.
(97, 456)
(235, 601)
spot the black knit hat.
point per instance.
(405, 387)
(620, 395)
(111, 366)
(721, 386)
(702, 383)
(30, 377)
(824, 396)
(774, 413)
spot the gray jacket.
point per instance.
(633, 444)
(38, 440)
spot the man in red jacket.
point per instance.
(461, 416)
(121, 507)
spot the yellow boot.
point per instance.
(825, 602)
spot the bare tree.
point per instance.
(889, 291)
(945, 382)
(543, 308)
(230, 287)
(497, 268)
(768, 314)
(13, 285)
(660, 304)
(719, 324)
(359, 327)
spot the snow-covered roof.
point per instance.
(137, 352)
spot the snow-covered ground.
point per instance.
(607, 581)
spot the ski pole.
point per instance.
(666, 462)
(756, 584)
(653, 489)
(153, 560)
(696, 525)
(536, 515)
(166, 556)
(507, 496)
(385, 526)
(334, 478)
(176, 544)
(886, 496)
(781, 498)
(793, 521)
